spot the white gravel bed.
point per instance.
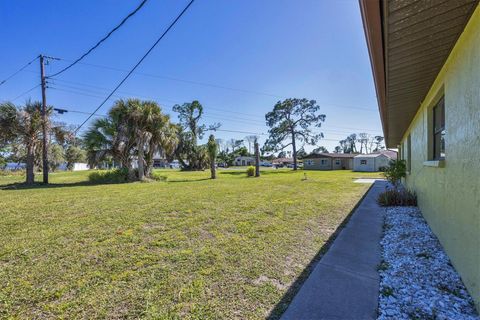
(417, 280)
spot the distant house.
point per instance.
(280, 162)
(244, 161)
(328, 161)
(374, 161)
(15, 166)
(77, 166)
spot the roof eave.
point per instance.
(373, 28)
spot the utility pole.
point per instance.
(44, 120)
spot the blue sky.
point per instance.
(236, 57)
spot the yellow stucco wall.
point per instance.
(449, 197)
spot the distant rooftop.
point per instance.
(331, 155)
(388, 153)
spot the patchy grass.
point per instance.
(186, 247)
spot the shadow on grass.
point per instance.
(244, 172)
(39, 185)
(188, 180)
(287, 298)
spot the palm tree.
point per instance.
(133, 127)
(212, 154)
(111, 137)
(25, 126)
(152, 133)
(164, 139)
(98, 141)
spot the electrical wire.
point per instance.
(216, 116)
(219, 86)
(17, 72)
(28, 91)
(62, 110)
(169, 101)
(139, 62)
(101, 40)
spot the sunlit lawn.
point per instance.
(188, 247)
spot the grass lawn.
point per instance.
(188, 247)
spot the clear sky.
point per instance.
(236, 57)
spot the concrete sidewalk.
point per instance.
(344, 284)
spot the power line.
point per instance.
(220, 86)
(174, 101)
(231, 118)
(63, 110)
(28, 91)
(139, 62)
(137, 95)
(101, 40)
(208, 85)
(17, 72)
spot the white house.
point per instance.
(77, 166)
(244, 161)
(373, 162)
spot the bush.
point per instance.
(158, 177)
(251, 171)
(109, 176)
(394, 197)
(7, 173)
(396, 171)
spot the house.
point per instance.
(373, 162)
(77, 166)
(281, 162)
(425, 58)
(244, 161)
(13, 166)
(328, 161)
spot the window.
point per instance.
(363, 161)
(309, 162)
(409, 153)
(337, 162)
(323, 162)
(438, 134)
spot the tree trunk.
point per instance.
(140, 161)
(30, 164)
(257, 159)
(149, 168)
(213, 170)
(294, 147)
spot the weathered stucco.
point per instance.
(449, 196)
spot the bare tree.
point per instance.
(379, 143)
(221, 144)
(363, 139)
(251, 140)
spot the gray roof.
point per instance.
(330, 155)
(387, 153)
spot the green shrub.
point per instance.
(158, 177)
(7, 173)
(395, 197)
(109, 176)
(251, 171)
(396, 170)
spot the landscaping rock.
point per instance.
(417, 280)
